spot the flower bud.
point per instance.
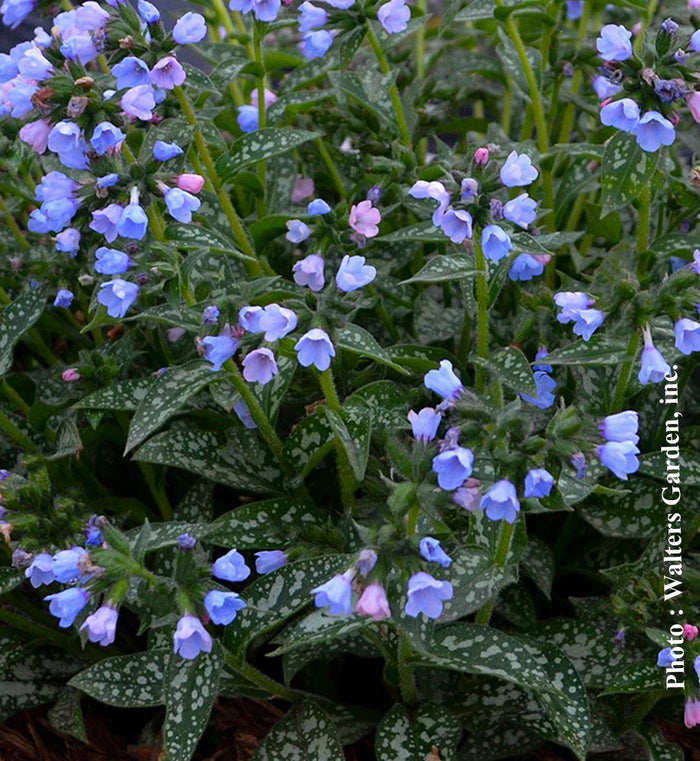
(481, 156)
(192, 183)
(70, 375)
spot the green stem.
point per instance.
(507, 112)
(15, 434)
(328, 386)
(225, 19)
(253, 265)
(383, 313)
(330, 166)
(644, 220)
(264, 425)
(482, 319)
(393, 89)
(345, 472)
(258, 35)
(157, 491)
(567, 122)
(625, 373)
(13, 225)
(407, 677)
(259, 679)
(420, 71)
(15, 398)
(505, 539)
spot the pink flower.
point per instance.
(481, 156)
(690, 632)
(36, 134)
(191, 183)
(373, 603)
(303, 188)
(692, 713)
(270, 98)
(693, 5)
(693, 101)
(543, 259)
(364, 219)
(70, 375)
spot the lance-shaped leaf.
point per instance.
(627, 170)
(401, 737)
(442, 269)
(15, 320)
(356, 339)
(511, 367)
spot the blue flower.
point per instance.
(309, 272)
(545, 387)
(133, 222)
(353, 273)
(243, 413)
(259, 366)
(117, 295)
(297, 231)
(622, 114)
(249, 318)
(366, 561)
(426, 595)
(335, 594)
(315, 348)
(210, 315)
(315, 44)
(186, 542)
(15, 11)
(614, 43)
(264, 10)
(501, 502)
(622, 426)
(56, 186)
(311, 17)
(191, 638)
(521, 211)
(317, 207)
(587, 322)
(189, 28)
(571, 303)
(65, 564)
(80, 47)
(248, 118)
(268, 561)
(101, 625)
(578, 460)
(181, 204)
(131, 72)
(110, 261)
(52, 216)
(665, 659)
(457, 225)
(669, 26)
(106, 138)
(670, 90)
(394, 16)
(231, 567)
(431, 550)
(424, 424)
(525, 267)
(67, 604)
(687, 333)
(495, 242)
(604, 88)
(277, 322)
(40, 570)
(444, 381)
(620, 457)
(223, 607)
(541, 354)
(436, 191)
(168, 73)
(33, 65)
(468, 189)
(148, 12)
(518, 171)
(694, 43)
(217, 349)
(163, 151)
(653, 130)
(64, 298)
(108, 181)
(453, 467)
(574, 9)
(105, 221)
(538, 483)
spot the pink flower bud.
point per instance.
(192, 183)
(70, 375)
(373, 603)
(605, 102)
(693, 101)
(690, 632)
(693, 5)
(303, 188)
(481, 156)
(543, 259)
(674, 118)
(637, 28)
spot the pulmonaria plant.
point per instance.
(366, 338)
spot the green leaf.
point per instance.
(166, 397)
(597, 351)
(477, 10)
(627, 169)
(305, 733)
(10, 578)
(444, 268)
(387, 403)
(161, 534)
(123, 395)
(654, 465)
(241, 460)
(262, 525)
(309, 442)
(15, 320)
(191, 686)
(272, 394)
(636, 678)
(24, 695)
(66, 715)
(401, 737)
(625, 514)
(318, 628)
(537, 562)
(676, 244)
(370, 88)
(657, 746)
(126, 681)
(423, 232)
(510, 366)
(260, 145)
(356, 339)
(352, 430)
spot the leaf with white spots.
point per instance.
(422, 232)
(275, 597)
(305, 733)
(511, 367)
(161, 534)
(627, 514)
(260, 145)
(387, 403)
(309, 442)
(262, 525)
(599, 350)
(537, 562)
(658, 748)
(626, 170)
(355, 339)
(10, 578)
(499, 742)
(638, 677)
(16, 319)
(370, 88)
(123, 396)
(442, 269)
(272, 394)
(405, 737)
(654, 465)
(126, 681)
(22, 696)
(352, 428)
(191, 686)
(316, 629)
(166, 397)
(66, 715)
